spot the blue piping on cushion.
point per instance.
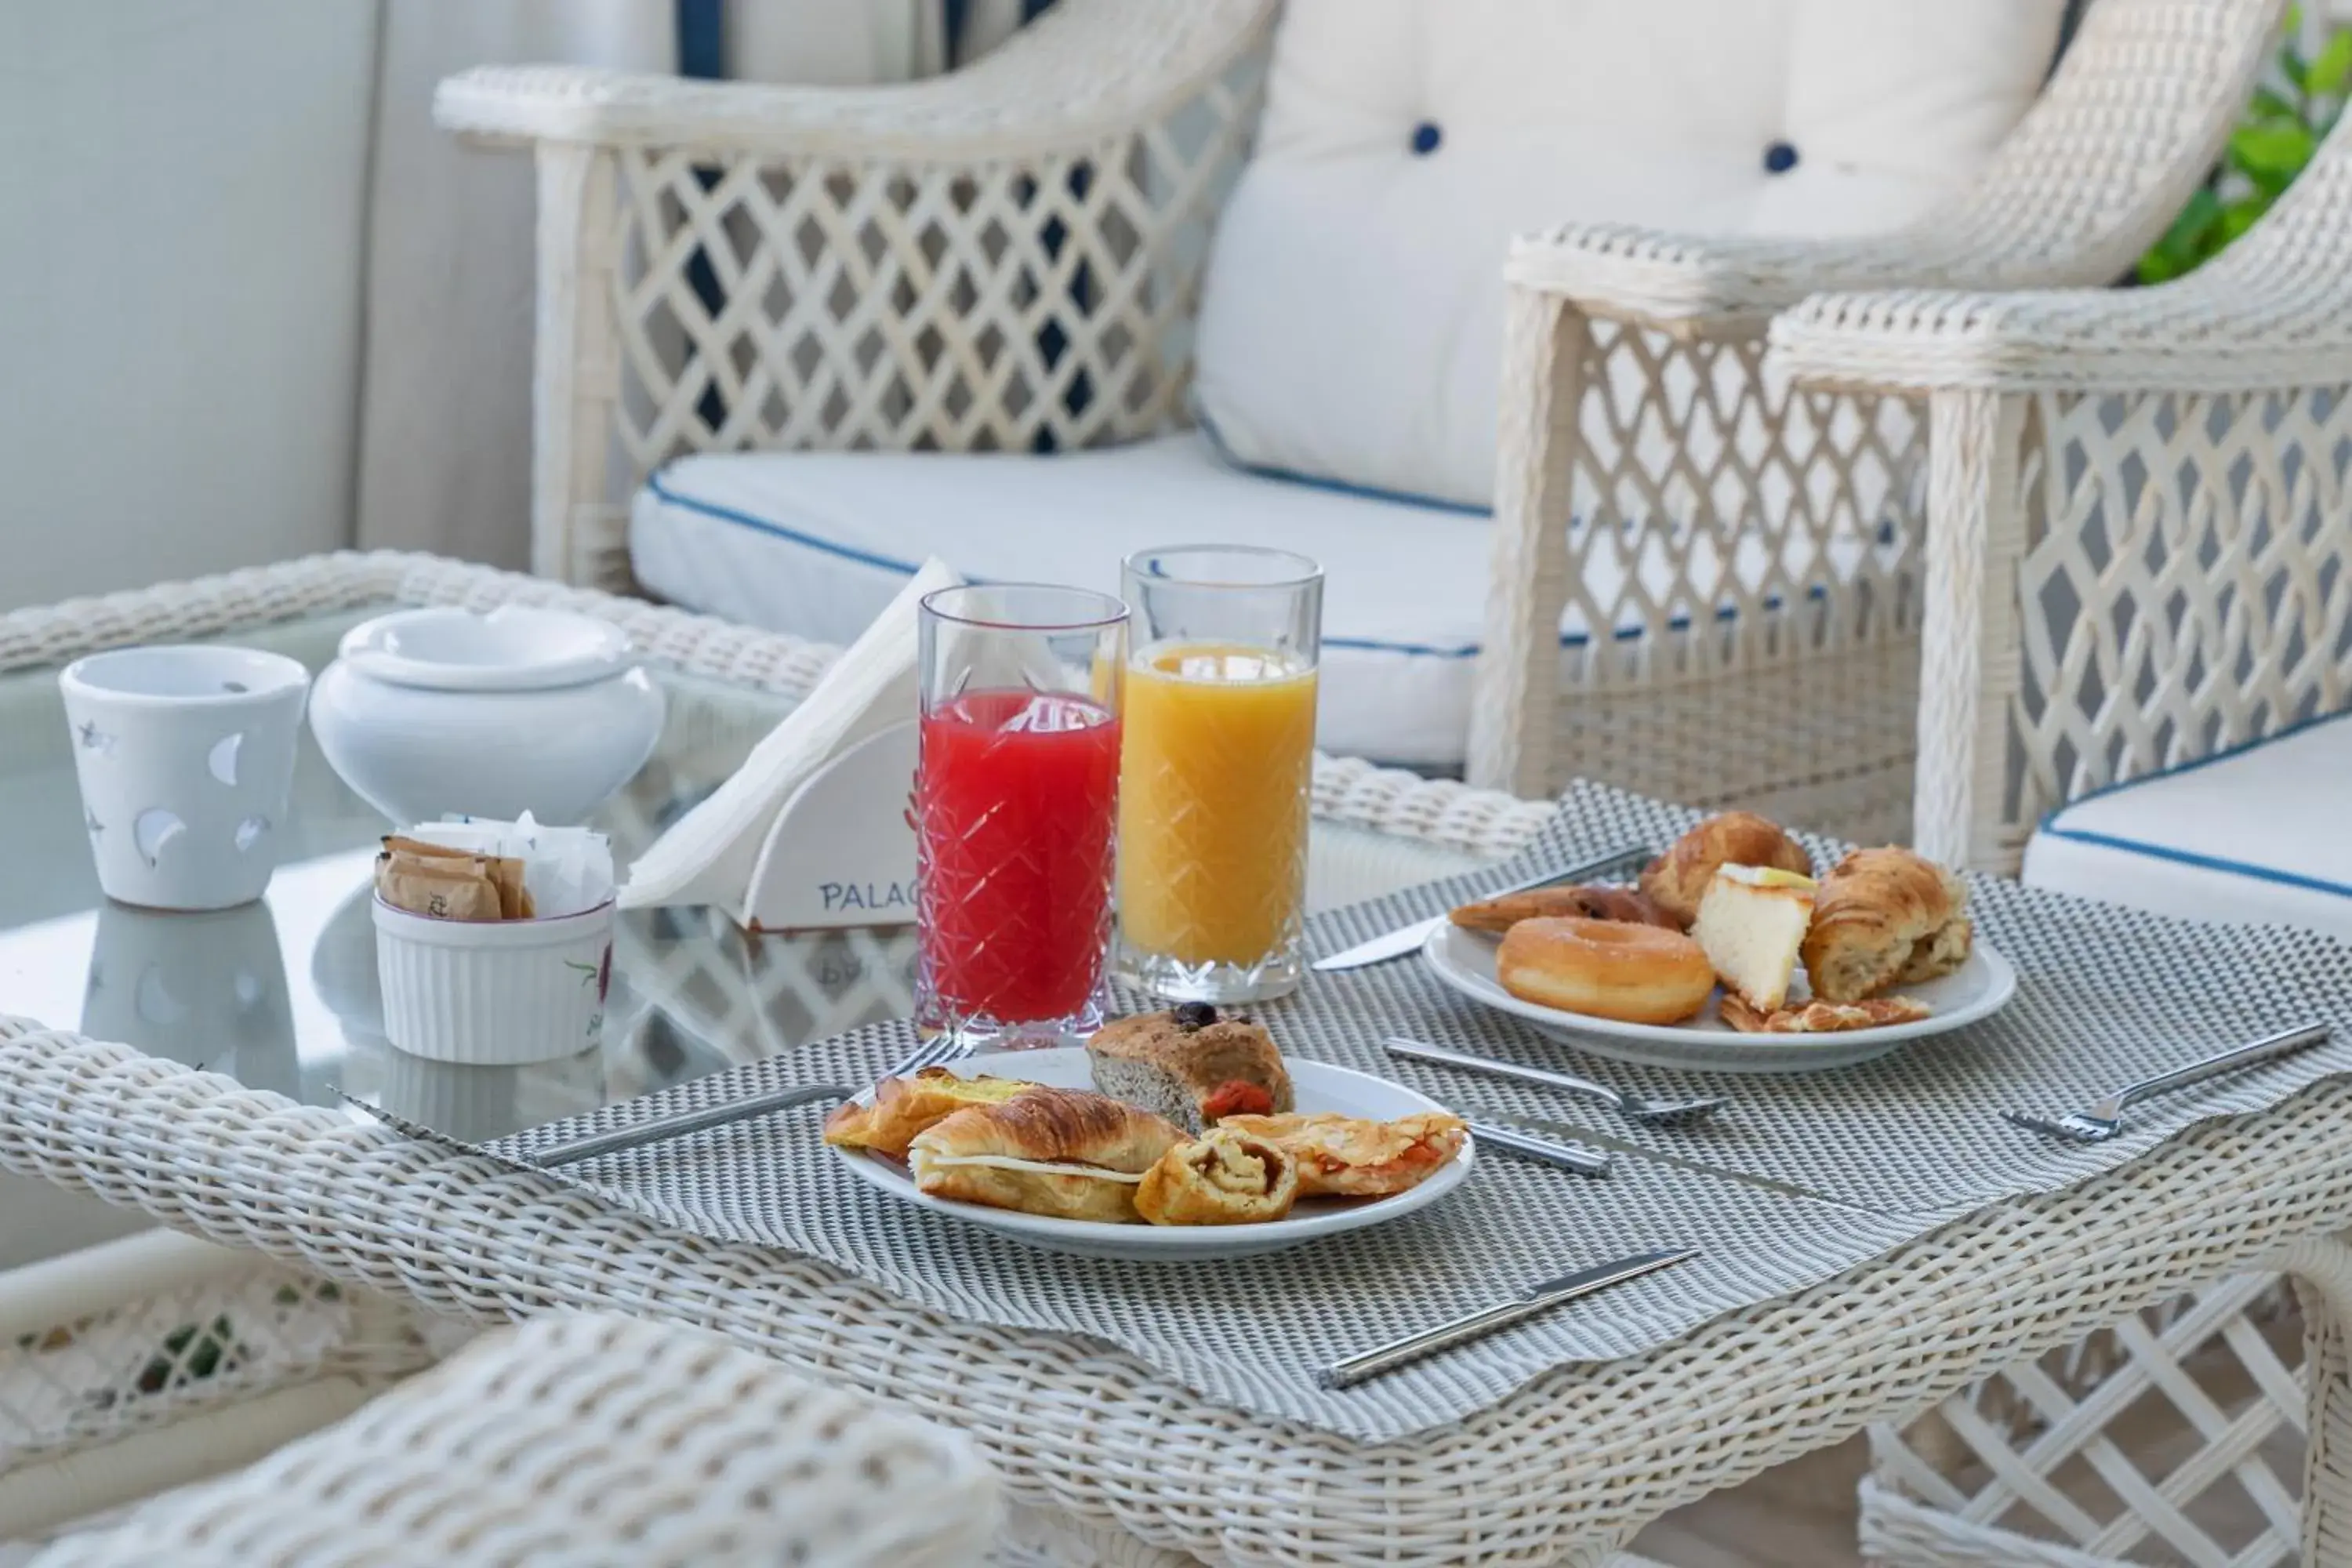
(764, 525)
(2056, 829)
(906, 569)
(2202, 862)
(2050, 818)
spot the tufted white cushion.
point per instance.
(1351, 325)
(816, 542)
(2254, 833)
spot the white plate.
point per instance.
(1314, 1086)
(1464, 960)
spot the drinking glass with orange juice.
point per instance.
(1216, 768)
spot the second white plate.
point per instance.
(1464, 960)
(1316, 1085)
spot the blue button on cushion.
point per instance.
(1425, 138)
(1779, 158)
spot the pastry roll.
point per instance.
(905, 1106)
(1678, 879)
(1591, 903)
(1348, 1157)
(1222, 1177)
(1885, 918)
(1061, 1153)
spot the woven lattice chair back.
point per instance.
(2185, 569)
(1005, 259)
(1780, 527)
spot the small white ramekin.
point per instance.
(493, 992)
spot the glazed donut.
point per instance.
(1605, 969)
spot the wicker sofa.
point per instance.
(1013, 259)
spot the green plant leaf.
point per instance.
(2279, 148)
(2240, 217)
(2290, 66)
(2331, 68)
(2158, 267)
(2292, 23)
(2184, 241)
(2271, 105)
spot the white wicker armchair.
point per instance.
(1799, 695)
(2137, 553)
(882, 253)
(2138, 539)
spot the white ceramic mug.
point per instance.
(184, 755)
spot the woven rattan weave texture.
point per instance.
(582, 1439)
(1916, 1135)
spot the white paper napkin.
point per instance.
(566, 870)
(707, 856)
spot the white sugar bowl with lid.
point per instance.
(440, 713)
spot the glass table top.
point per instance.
(282, 993)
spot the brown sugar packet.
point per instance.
(442, 887)
(505, 871)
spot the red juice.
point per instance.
(1016, 810)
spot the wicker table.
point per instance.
(1566, 1470)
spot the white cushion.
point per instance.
(2252, 835)
(816, 542)
(1351, 325)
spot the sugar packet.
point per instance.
(565, 871)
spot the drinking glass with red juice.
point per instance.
(1016, 798)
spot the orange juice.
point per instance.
(1215, 772)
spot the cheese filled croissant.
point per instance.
(1061, 1153)
(1222, 1177)
(905, 1106)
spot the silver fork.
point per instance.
(932, 1053)
(2104, 1120)
(1632, 1107)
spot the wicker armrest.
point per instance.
(2129, 123)
(2219, 331)
(1090, 69)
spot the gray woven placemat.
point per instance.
(1904, 1144)
(2105, 996)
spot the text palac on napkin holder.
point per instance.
(841, 851)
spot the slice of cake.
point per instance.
(1750, 921)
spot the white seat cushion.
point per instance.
(815, 543)
(1352, 320)
(2252, 835)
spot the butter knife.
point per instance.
(1409, 937)
(1355, 1369)
(1572, 1157)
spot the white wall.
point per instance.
(180, 191)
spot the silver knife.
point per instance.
(1356, 1368)
(1406, 939)
(1534, 1146)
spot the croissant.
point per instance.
(1676, 880)
(905, 1106)
(1885, 918)
(1062, 1153)
(1220, 1178)
(1591, 903)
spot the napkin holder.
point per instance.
(841, 851)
